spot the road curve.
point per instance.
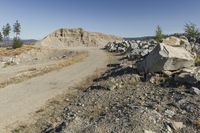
(18, 101)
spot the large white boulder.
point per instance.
(166, 58)
(175, 41)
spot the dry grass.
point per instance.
(33, 72)
(18, 51)
(198, 121)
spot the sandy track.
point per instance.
(18, 101)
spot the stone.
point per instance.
(197, 48)
(117, 46)
(134, 45)
(189, 76)
(169, 113)
(166, 58)
(112, 87)
(167, 73)
(135, 54)
(182, 42)
(178, 125)
(144, 52)
(148, 131)
(171, 41)
(184, 37)
(169, 130)
(152, 41)
(196, 90)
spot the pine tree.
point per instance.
(159, 34)
(191, 30)
(17, 29)
(6, 32)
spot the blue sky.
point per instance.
(126, 18)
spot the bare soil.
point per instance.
(18, 102)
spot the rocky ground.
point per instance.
(120, 101)
(151, 87)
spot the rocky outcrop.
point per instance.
(166, 58)
(76, 37)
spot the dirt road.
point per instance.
(18, 101)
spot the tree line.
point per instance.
(5, 34)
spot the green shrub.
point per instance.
(17, 43)
(191, 30)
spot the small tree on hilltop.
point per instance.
(159, 34)
(17, 43)
(8, 29)
(6, 32)
(17, 29)
(191, 30)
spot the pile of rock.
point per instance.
(64, 37)
(135, 49)
(174, 57)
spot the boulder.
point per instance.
(197, 48)
(189, 76)
(174, 41)
(166, 58)
(171, 41)
(196, 90)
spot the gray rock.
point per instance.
(134, 45)
(148, 131)
(196, 90)
(177, 125)
(172, 40)
(190, 76)
(167, 58)
(152, 41)
(184, 37)
(144, 52)
(197, 48)
(169, 113)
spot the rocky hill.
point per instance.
(76, 37)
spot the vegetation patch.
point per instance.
(13, 52)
